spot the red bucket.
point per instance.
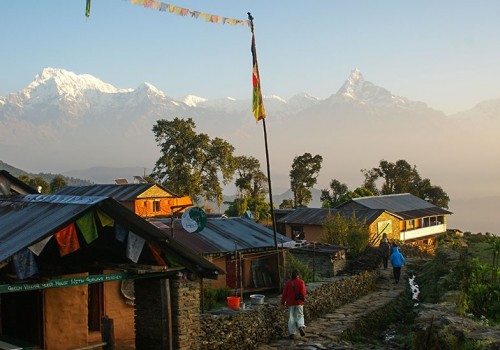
(233, 302)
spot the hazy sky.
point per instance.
(444, 53)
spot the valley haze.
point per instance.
(80, 126)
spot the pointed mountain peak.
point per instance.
(68, 83)
(353, 85)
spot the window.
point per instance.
(298, 233)
(156, 206)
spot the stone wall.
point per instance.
(258, 324)
(320, 263)
(185, 313)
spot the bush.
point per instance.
(213, 298)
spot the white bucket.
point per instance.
(257, 299)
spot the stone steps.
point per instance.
(325, 332)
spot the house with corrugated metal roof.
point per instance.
(145, 199)
(244, 249)
(417, 221)
(11, 186)
(307, 223)
(66, 263)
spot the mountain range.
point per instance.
(76, 124)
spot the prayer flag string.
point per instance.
(181, 11)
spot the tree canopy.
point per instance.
(190, 163)
(252, 187)
(401, 177)
(303, 176)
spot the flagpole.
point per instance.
(250, 18)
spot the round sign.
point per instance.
(194, 219)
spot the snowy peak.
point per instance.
(357, 89)
(192, 101)
(66, 83)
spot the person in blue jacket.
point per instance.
(397, 261)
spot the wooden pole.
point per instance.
(269, 184)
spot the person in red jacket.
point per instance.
(293, 296)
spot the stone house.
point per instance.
(412, 219)
(67, 261)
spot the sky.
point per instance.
(444, 53)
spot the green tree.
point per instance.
(40, 185)
(401, 177)
(190, 163)
(303, 176)
(339, 193)
(57, 183)
(24, 178)
(335, 195)
(252, 189)
(345, 230)
(286, 204)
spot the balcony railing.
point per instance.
(422, 232)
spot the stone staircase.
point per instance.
(325, 332)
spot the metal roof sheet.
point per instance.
(123, 193)
(316, 216)
(25, 220)
(227, 234)
(394, 202)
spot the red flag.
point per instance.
(257, 102)
(67, 240)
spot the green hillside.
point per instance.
(70, 181)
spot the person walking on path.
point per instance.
(384, 250)
(397, 261)
(293, 297)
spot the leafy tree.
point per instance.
(401, 177)
(252, 185)
(303, 176)
(339, 193)
(57, 183)
(286, 204)
(37, 182)
(190, 163)
(24, 178)
(237, 207)
(345, 230)
(332, 197)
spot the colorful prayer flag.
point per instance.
(134, 246)
(105, 219)
(121, 233)
(87, 227)
(38, 247)
(257, 102)
(67, 240)
(24, 264)
(155, 251)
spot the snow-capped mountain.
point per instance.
(63, 120)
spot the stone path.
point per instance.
(325, 332)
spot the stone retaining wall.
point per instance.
(258, 324)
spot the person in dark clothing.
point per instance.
(293, 297)
(397, 261)
(384, 250)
